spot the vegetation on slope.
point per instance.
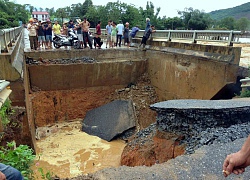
(235, 12)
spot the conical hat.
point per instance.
(79, 21)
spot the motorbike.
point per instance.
(63, 40)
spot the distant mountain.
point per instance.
(236, 12)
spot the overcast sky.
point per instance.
(168, 7)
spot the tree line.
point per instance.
(189, 18)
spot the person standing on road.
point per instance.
(237, 162)
(56, 28)
(41, 37)
(71, 24)
(32, 34)
(113, 34)
(98, 29)
(126, 35)
(108, 32)
(78, 29)
(120, 28)
(48, 28)
(85, 29)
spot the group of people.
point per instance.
(40, 33)
(115, 33)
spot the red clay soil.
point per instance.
(159, 147)
(50, 107)
(13, 130)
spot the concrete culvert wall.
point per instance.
(182, 76)
(60, 92)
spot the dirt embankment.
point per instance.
(148, 146)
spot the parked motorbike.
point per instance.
(70, 40)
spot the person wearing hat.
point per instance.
(32, 34)
(120, 28)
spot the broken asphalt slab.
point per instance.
(110, 120)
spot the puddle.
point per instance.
(70, 152)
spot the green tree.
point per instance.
(195, 19)
(32, 8)
(93, 15)
(227, 23)
(77, 10)
(86, 6)
(62, 14)
(113, 11)
(133, 16)
(149, 12)
(242, 24)
(11, 13)
(172, 23)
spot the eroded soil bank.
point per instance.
(68, 152)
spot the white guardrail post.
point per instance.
(194, 37)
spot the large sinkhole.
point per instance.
(63, 85)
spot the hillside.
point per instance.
(236, 12)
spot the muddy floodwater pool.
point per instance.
(70, 152)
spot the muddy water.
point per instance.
(70, 152)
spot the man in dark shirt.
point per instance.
(40, 33)
(48, 33)
(98, 28)
(71, 25)
(146, 36)
(97, 40)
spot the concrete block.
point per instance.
(110, 120)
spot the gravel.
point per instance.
(216, 135)
(61, 61)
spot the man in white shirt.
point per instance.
(120, 28)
